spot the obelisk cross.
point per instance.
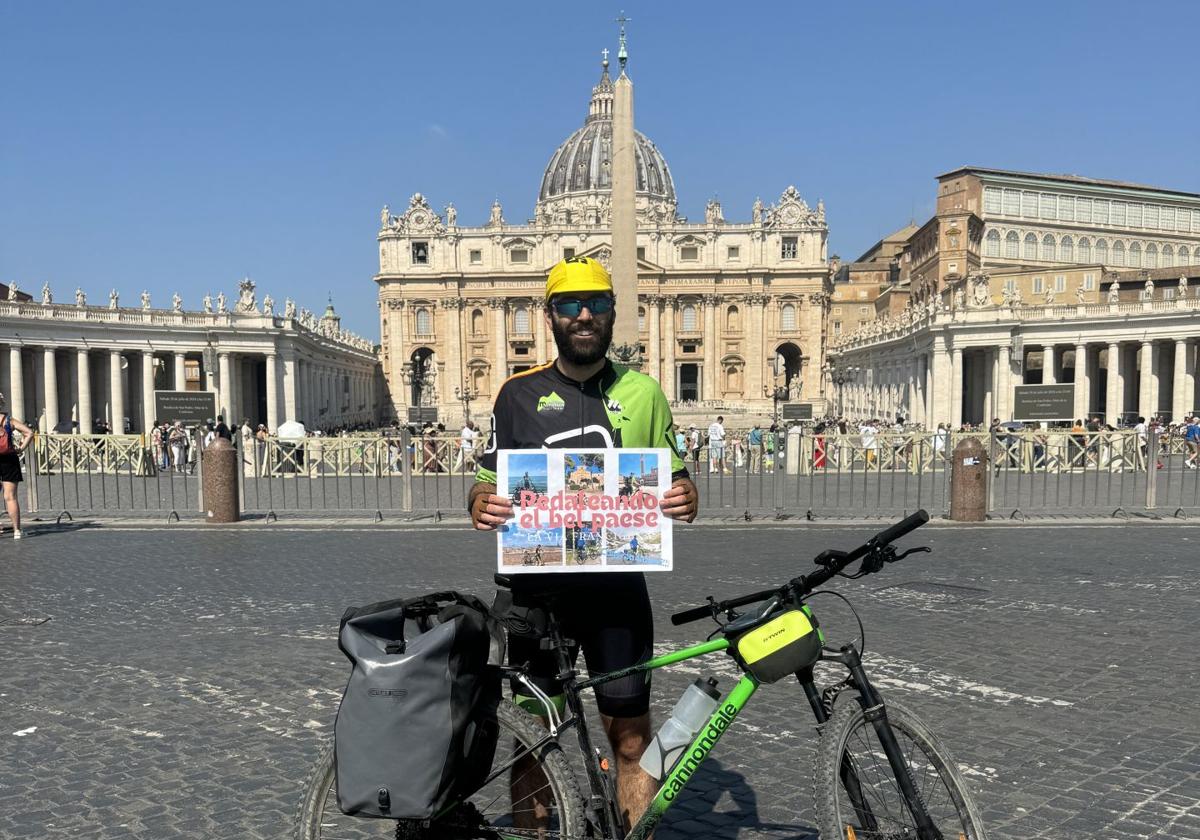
(622, 55)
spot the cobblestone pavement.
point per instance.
(178, 682)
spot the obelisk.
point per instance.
(624, 216)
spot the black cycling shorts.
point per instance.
(608, 616)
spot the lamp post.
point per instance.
(464, 395)
(840, 375)
(777, 394)
(209, 356)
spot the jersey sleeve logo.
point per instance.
(552, 402)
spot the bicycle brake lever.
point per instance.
(921, 549)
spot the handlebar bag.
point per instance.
(787, 643)
(416, 726)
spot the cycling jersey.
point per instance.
(617, 407)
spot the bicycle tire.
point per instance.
(949, 804)
(318, 808)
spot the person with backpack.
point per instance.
(10, 462)
(1192, 436)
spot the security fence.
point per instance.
(798, 475)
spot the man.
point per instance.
(583, 400)
(695, 443)
(1192, 436)
(755, 440)
(466, 446)
(716, 445)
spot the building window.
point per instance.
(689, 348)
(1085, 250)
(1012, 203)
(952, 268)
(477, 322)
(1029, 204)
(1060, 283)
(993, 243)
(1100, 209)
(519, 255)
(424, 321)
(1166, 219)
(991, 200)
(787, 249)
(1010, 286)
(521, 321)
(837, 327)
(1118, 253)
(1048, 206)
(420, 253)
(1168, 293)
(689, 318)
(1168, 258)
(1066, 249)
(1039, 286)
(1083, 209)
(1066, 208)
(476, 257)
(1135, 215)
(568, 253)
(641, 252)
(1151, 260)
(731, 319)
(1117, 214)
(1030, 246)
(641, 319)
(733, 253)
(1048, 247)
(1150, 217)
(1102, 251)
(862, 310)
(1089, 282)
(1183, 255)
(1012, 245)
(689, 253)
(787, 318)
(1135, 255)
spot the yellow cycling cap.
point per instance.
(577, 274)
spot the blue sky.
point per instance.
(179, 147)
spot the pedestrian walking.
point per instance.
(716, 445)
(10, 462)
(178, 440)
(466, 447)
(755, 441)
(1192, 437)
(694, 444)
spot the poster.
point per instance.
(584, 510)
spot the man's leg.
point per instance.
(629, 738)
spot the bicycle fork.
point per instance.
(875, 712)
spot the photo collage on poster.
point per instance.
(584, 510)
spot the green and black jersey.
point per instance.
(617, 407)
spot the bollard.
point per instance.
(219, 470)
(792, 450)
(968, 481)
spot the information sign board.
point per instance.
(192, 407)
(1044, 402)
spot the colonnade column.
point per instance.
(1180, 397)
(956, 387)
(923, 387)
(116, 424)
(668, 367)
(654, 347)
(1113, 385)
(709, 388)
(272, 392)
(84, 375)
(148, 417)
(1049, 375)
(1083, 385)
(1189, 379)
(291, 373)
(16, 383)
(1146, 402)
(225, 392)
(50, 382)
(500, 359)
(180, 372)
(990, 377)
(1004, 391)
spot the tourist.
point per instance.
(10, 462)
(940, 438)
(466, 447)
(769, 446)
(178, 440)
(755, 442)
(870, 442)
(716, 445)
(222, 430)
(695, 443)
(1192, 437)
(156, 443)
(680, 442)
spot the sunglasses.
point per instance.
(571, 307)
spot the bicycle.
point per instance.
(881, 773)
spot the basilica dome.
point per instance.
(582, 165)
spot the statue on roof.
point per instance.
(48, 298)
(145, 300)
(756, 212)
(246, 304)
(176, 303)
(268, 306)
(114, 299)
(80, 297)
(207, 302)
(12, 290)
(289, 308)
(221, 301)
(451, 215)
(1114, 292)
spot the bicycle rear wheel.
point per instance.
(539, 798)
(858, 797)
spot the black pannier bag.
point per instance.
(416, 726)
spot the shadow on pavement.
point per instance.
(706, 810)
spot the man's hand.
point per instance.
(681, 501)
(489, 511)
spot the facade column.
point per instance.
(654, 346)
(225, 391)
(1180, 397)
(116, 423)
(148, 417)
(180, 374)
(1113, 385)
(1083, 387)
(291, 373)
(540, 338)
(455, 372)
(50, 383)
(990, 378)
(1049, 375)
(500, 343)
(956, 387)
(669, 382)
(1004, 390)
(709, 386)
(920, 410)
(1189, 379)
(16, 382)
(84, 375)
(1146, 395)
(272, 392)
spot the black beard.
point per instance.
(582, 351)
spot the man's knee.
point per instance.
(629, 737)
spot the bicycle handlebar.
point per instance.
(806, 583)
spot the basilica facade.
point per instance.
(731, 315)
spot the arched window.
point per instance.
(1118, 257)
(476, 322)
(733, 378)
(689, 318)
(521, 320)
(1066, 249)
(1030, 246)
(731, 319)
(1151, 260)
(787, 318)
(424, 321)
(1048, 247)
(993, 243)
(1012, 245)
(479, 380)
(1135, 255)
(1102, 251)
(641, 319)
(1168, 259)
(1085, 249)
(1184, 255)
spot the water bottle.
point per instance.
(688, 717)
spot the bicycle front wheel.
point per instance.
(537, 798)
(857, 794)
